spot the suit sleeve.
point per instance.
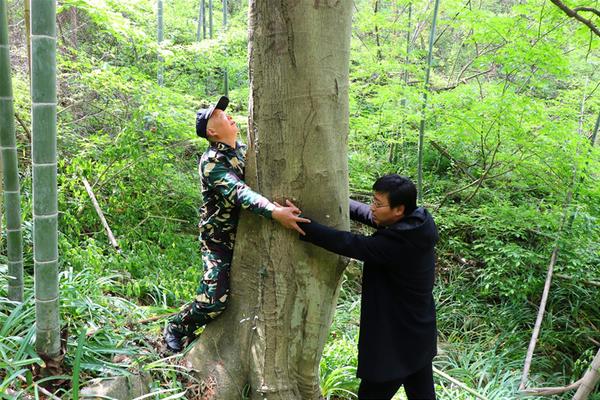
(235, 190)
(361, 212)
(378, 249)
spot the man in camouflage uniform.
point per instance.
(224, 193)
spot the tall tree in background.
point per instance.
(210, 19)
(284, 292)
(201, 30)
(424, 107)
(159, 29)
(45, 208)
(12, 194)
(226, 72)
(27, 16)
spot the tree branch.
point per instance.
(573, 14)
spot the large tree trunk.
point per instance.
(284, 291)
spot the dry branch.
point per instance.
(111, 237)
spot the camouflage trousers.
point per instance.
(211, 295)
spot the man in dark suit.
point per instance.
(397, 339)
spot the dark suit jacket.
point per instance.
(397, 322)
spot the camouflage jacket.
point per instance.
(224, 192)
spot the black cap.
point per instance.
(204, 114)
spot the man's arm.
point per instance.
(372, 249)
(361, 212)
(238, 192)
(235, 190)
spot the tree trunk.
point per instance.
(590, 379)
(424, 107)
(210, 18)
(27, 16)
(159, 32)
(10, 170)
(45, 208)
(284, 291)
(200, 29)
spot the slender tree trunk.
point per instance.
(590, 379)
(45, 208)
(12, 195)
(200, 28)
(203, 7)
(284, 291)
(425, 91)
(393, 157)
(27, 16)
(226, 72)
(210, 18)
(377, 38)
(160, 39)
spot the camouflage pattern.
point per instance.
(211, 295)
(224, 192)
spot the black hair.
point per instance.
(400, 191)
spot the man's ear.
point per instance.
(399, 210)
(210, 133)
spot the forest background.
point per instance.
(510, 172)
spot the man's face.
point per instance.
(221, 126)
(383, 214)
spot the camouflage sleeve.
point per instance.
(235, 190)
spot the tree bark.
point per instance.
(284, 291)
(590, 379)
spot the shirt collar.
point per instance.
(224, 146)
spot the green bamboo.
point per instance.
(12, 195)
(45, 208)
(424, 107)
(160, 39)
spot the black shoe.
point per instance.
(173, 338)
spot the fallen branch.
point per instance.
(41, 389)
(538, 321)
(111, 237)
(459, 384)
(568, 277)
(549, 391)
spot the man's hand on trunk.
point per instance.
(288, 216)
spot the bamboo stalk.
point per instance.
(11, 193)
(424, 107)
(45, 207)
(109, 233)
